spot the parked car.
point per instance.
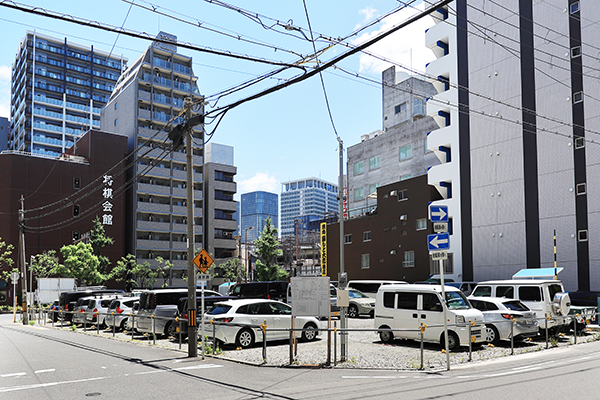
(98, 308)
(68, 299)
(158, 308)
(371, 286)
(582, 316)
(182, 312)
(498, 315)
(118, 312)
(233, 318)
(131, 322)
(465, 287)
(79, 311)
(53, 311)
(405, 307)
(360, 304)
(273, 290)
(543, 297)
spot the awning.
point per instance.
(537, 273)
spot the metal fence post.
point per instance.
(179, 323)
(214, 333)
(153, 330)
(422, 329)
(575, 327)
(512, 336)
(132, 315)
(264, 351)
(334, 343)
(546, 325)
(470, 341)
(113, 321)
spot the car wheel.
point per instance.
(386, 336)
(453, 341)
(309, 333)
(492, 335)
(244, 338)
(168, 327)
(123, 325)
(353, 311)
(172, 330)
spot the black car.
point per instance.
(68, 300)
(182, 312)
(273, 290)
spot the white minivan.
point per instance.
(371, 286)
(405, 307)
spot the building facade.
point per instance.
(256, 207)
(4, 133)
(397, 152)
(220, 206)
(518, 113)
(148, 96)
(85, 177)
(310, 197)
(58, 89)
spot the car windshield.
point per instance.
(220, 309)
(457, 301)
(355, 294)
(515, 305)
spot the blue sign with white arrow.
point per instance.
(438, 241)
(438, 213)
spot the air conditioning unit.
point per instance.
(403, 217)
(394, 193)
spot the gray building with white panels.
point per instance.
(398, 151)
(519, 112)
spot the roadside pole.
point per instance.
(191, 270)
(343, 350)
(22, 261)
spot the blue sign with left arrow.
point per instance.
(438, 241)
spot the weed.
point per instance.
(31, 323)
(554, 342)
(74, 328)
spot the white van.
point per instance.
(405, 307)
(544, 297)
(371, 286)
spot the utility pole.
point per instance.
(192, 326)
(22, 260)
(343, 321)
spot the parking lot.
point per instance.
(364, 348)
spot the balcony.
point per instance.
(156, 171)
(180, 210)
(145, 114)
(179, 156)
(154, 189)
(153, 226)
(153, 244)
(182, 228)
(154, 207)
(179, 174)
(179, 245)
(148, 133)
(144, 95)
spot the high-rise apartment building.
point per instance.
(397, 152)
(518, 111)
(58, 89)
(4, 131)
(256, 208)
(149, 95)
(309, 198)
(220, 206)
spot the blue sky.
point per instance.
(285, 135)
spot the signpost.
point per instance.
(14, 277)
(438, 245)
(202, 261)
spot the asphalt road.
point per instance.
(41, 363)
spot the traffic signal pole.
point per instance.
(22, 260)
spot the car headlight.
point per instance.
(459, 319)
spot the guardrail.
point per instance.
(41, 315)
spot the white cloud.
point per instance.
(369, 13)
(261, 181)
(5, 73)
(406, 47)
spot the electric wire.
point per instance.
(122, 26)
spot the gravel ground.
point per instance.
(365, 350)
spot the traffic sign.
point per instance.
(438, 241)
(439, 255)
(439, 227)
(203, 261)
(438, 213)
(14, 277)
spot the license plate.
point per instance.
(473, 339)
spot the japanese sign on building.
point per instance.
(107, 193)
(323, 249)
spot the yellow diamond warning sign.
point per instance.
(203, 261)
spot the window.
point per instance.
(431, 302)
(505, 291)
(373, 188)
(409, 259)
(76, 182)
(581, 188)
(421, 224)
(402, 194)
(575, 7)
(406, 152)
(577, 97)
(374, 163)
(348, 238)
(367, 236)
(582, 236)
(579, 142)
(530, 293)
(388, 299)
(448, 264)
(576, 51)
(418, 107)
(116, 105)
(359, 194)
(400, 107)
(116, 121)
(365, 261)
(407, 301)
(358, 168)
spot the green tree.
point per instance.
(232, 270)
(6, 261)
(45, 264)
(99, 240)
(268, 250)
(135, 275)
(164, 269)
(81, 263)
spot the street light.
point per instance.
(246, 243)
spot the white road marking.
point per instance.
(41, 371)
(11, 375)
(201, 366)
(39, 385)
